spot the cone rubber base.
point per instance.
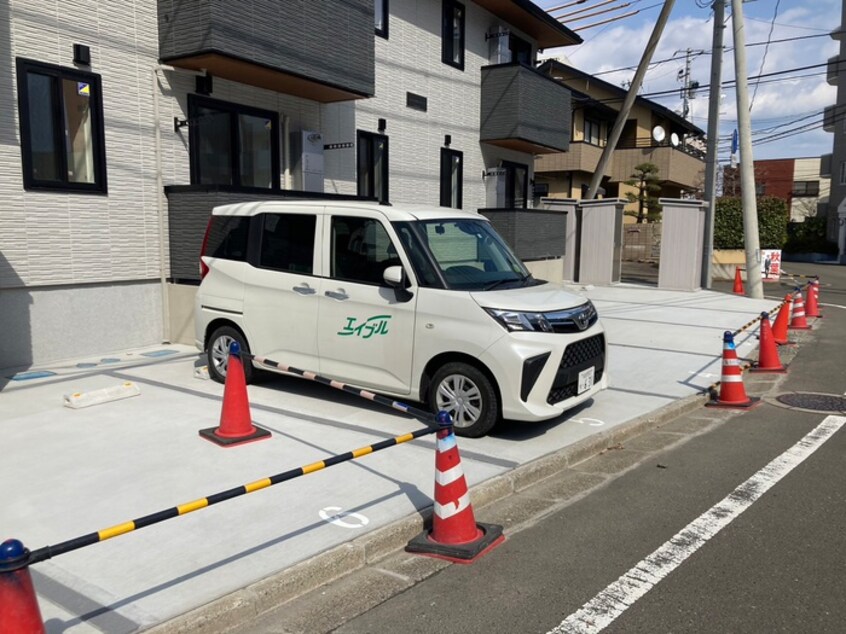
(458, 553)
(753, 401)
(209, 434)
(781, 370)
(799, 327)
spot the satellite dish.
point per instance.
(674, 139)
(658, 133)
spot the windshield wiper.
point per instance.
(497, 283)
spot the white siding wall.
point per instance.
(410, 61)
(53, 242)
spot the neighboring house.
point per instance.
(796, 181)
(652, 133)
(833, 165)
(123, 126)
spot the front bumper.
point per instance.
(538, 373)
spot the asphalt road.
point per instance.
(770, 558)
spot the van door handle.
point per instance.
(337, 294)
(304, 289)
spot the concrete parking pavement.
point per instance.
(76, 471)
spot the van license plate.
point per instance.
(586, 379)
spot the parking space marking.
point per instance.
(608, 605)
(334, 515)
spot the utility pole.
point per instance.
(713, 134)
(754, 286)
(617, 130)
(685, 77)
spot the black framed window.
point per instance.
(452, 34)
(61, 117)
(806, 188)
(232, 144)
(516, 185)
(521, 50)
(452, 168)
(372, 164)
(380, 10)
(592, 132)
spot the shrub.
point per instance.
(728, 223)
(809, 237)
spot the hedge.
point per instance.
(772, 223)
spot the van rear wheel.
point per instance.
(217, 353)
(468, 396)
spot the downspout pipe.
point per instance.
(160, 211)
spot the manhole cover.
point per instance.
(815, 402)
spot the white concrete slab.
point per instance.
(72, 472)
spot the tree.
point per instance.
(646, 180)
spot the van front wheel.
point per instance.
(217, 353)
(468, 396)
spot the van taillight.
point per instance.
(204, 269)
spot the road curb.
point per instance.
(245, 604)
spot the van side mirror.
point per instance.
(394, 276)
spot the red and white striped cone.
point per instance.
(782, 321)
(732, 393)
(236, 426)
(812, 309)
(768, 361)
(799, 322)
(455, 534)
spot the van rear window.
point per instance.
(227, 237)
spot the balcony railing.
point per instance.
(301, 51)
(524, 110)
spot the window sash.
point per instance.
(516, 185)
(232, 144)
(61, 127)
(380, 11)
(451, 178)
(372, 162)
(452, 34)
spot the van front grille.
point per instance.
(577, 357)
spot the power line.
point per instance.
(766, 50)
(726, 50)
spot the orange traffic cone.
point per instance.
(798, 322)
(455, 535)
(235, 424)
(19, 611)
(738, 282)
(813, 307)
(782, 321)
(768, 360)
(732, 392)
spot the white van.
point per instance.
(427, 304)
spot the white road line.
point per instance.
(608, 605)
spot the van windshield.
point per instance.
(461, 254)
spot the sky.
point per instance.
(792, 99)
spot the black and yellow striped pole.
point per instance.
(48, 552)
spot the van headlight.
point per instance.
(513, 320)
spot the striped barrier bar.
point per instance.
(48, 552)
(423, 415)
(758, 318)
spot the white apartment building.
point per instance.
(123, 123)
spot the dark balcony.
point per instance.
(524, 110)
(322, 51)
